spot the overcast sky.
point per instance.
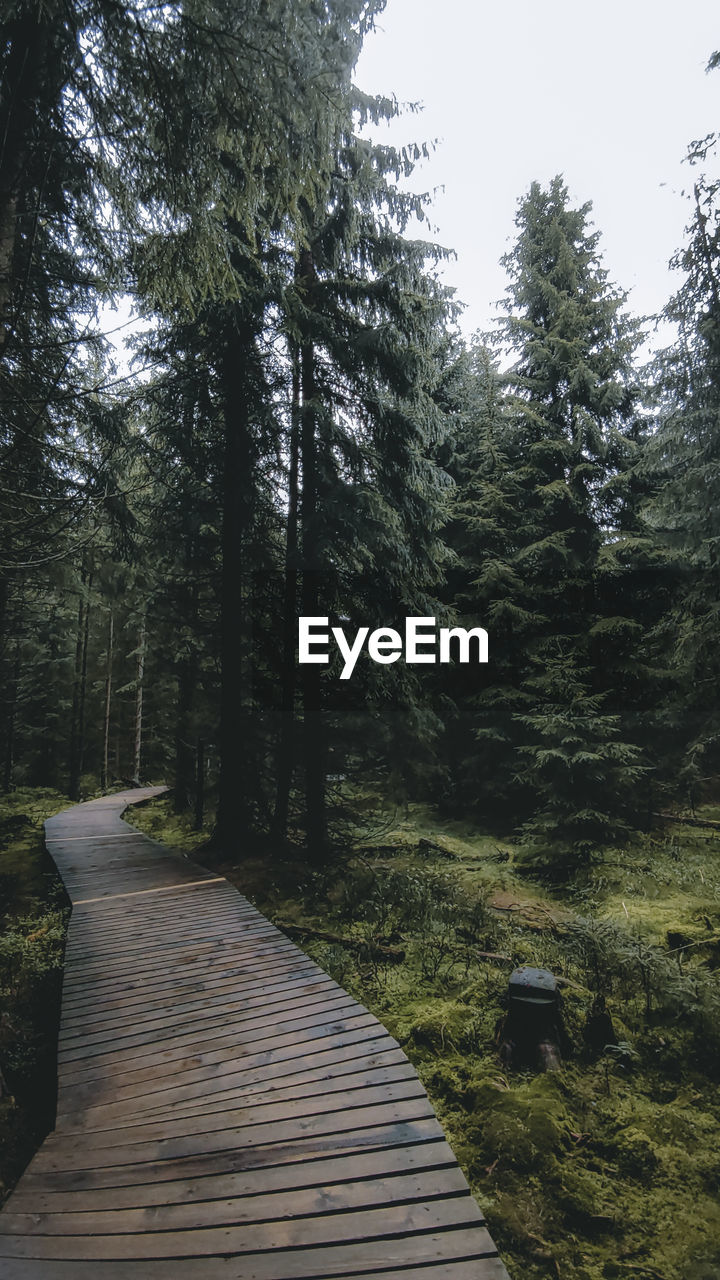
(515, 90)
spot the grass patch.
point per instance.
(32, 940)
(608, 1168)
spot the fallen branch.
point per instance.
(426, 847)
(699, 942)
(689, 822)
(352, 944)
(644, 1270)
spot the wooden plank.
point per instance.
(277, 1007)
(128, 1049)
(319, 1172)
(232, 1064)
(239, 966)
(268, 939)
(194, 978)
(256, 974)
(122, 926)
(179, 923)
(203, 995)
(381, 1223)
(318, 1067)
(278, 1060)
(413, 1254)
(253, 1023)
(291, 1082)
(334, 1114)
(264, 961)
(330, 1124)
(231, 1083)
(252, 1054)
(383, 1130)
(337, 1056)
(286, 1203)
(274, 1105)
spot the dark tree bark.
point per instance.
(200, 785)
(234, 816)
(285, 754)
(9, 764)
(46, 772)
(108, 701)
(73, 770)
(34, 72)
(77, 717)
(313, 726)
(4, 597)
(184, 762)
(139, 690)
(83, 683)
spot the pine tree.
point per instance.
(367, 319)
(583, 774)
(684, 464)
(535, 503)
(482, 588)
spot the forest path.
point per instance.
(224, 1108)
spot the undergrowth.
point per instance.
(609, 1167)
(33, 921)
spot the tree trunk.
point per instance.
(73, 772)
(33, 78)
(46, 775)
(200, 785)
(83, 685)
(184, 763)
(137, 753)
(187, 678)
(108, 697)
(314, 735)
(11, 723)
(77, 718)
(285, 752)
(4, 599)
(8, 236)
(234, 810)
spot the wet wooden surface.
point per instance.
(224, 1109)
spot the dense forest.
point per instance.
(300, 429)
(304, 432)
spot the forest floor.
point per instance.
(609, 1167)
(34, 912)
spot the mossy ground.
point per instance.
(607, 1168)
(33, 920)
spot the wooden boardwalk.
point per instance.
(225, 1109)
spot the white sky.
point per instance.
(609, 95)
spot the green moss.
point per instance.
(610, 1166)
(27, 874)
(32, 942)
(157, 819)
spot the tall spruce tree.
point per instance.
(538, 512)
(481, 732)
(367, 319)
(684, 465)
(572, 403)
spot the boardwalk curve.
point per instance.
(224, 1108)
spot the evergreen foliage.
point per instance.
(537, 500)
(684, 463)
(310, 435)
